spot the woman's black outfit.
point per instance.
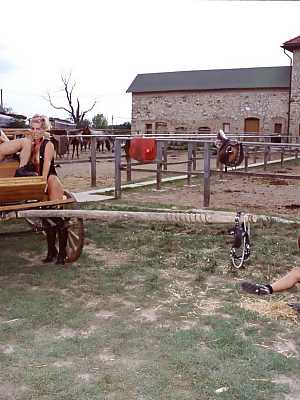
(53, 226)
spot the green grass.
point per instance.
(149, 311)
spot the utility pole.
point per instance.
(1, 98)
(112, 124)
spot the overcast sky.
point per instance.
(106, 43)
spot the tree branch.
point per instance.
(57, 107)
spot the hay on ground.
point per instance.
(278, 310)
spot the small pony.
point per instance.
(230, 152)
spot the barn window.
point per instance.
(277, 128)
(204, 129)
(161, 127)
(148, 128)
(226, 127)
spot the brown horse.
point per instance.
(77, 140)
(230, 152)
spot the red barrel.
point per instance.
(142, 149)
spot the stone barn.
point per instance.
(259, 100)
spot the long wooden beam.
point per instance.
(199, 217)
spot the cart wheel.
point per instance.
(75, 238)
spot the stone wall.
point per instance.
(295, 95)
(192, 110)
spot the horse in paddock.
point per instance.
(75, 141)
(230, 152)
(102, 142)
(86, 141)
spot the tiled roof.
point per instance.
(217, 79)
(292, 44)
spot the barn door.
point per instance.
(252, 126)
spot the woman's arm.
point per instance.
(48, 157)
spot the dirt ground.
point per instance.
(251, 194)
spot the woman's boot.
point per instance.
(51, 240)
(62, 240)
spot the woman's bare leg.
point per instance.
(14, 146)
(288, 281)
(285, 283)
(55, 188)
(3, 137)
(25, 153)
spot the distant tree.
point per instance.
(73, 107)
(99, 122)
(126, 125)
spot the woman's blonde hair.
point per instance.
(45, 123)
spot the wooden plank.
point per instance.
(22, 188)
(264, 175)
(22, 178)
(22, 184)
(8, 168)
(37, 204)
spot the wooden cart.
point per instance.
(25, 193)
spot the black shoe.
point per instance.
(50, 258)
(60, 259)
(255, 288)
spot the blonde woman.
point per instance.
(42, 159)
(42, 156)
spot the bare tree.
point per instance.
(74, 108)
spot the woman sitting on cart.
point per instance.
(37, 158)
(42, 158)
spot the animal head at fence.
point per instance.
(230, 152)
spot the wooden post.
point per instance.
(118, 176)
(159, 165)
(255, 154)
(93, 161)
(282, 157)
(269, 153)
(165, 156)
(128, 169)
(265, 157)
(189, 163)
(206, 188)
(194, 152)
(246, 159)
